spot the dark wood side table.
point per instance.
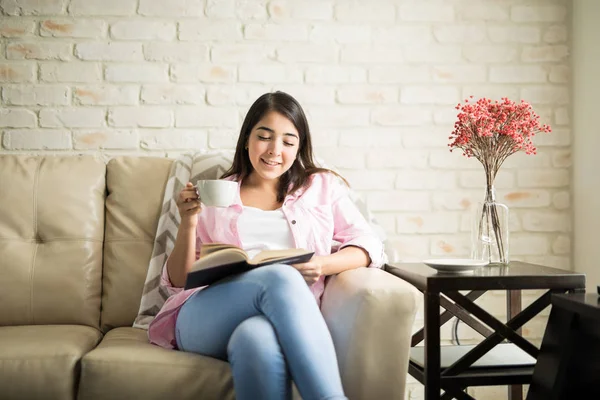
(441, 289)
(568, 366)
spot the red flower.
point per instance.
(493, 130)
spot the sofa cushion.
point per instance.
(42, 362)
(51, 234)
(125, 366)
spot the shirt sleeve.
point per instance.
(165, 281)
(352, 229)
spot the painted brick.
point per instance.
(428, 94)
(135, 73)
(522, 244)
(546, 94)
(276, 32)
(402, 34)
(345, 158)
(379, 138)
(496, 54)
(220, 8)
(411, 179)
(71, 72)
(18, 72)
(370, 180)
(437, 222)
(365, 94)
(546, 222)
(330, 116)
(401, 116)
(455, 245)
(16, 28)
(518, 74)
(32, 7)
(484, 11)
(37, 139)
(561, 116)
(143, 117)
(22, 95)
(182, 139)
(399, 74)
(433, 53)
(307, 53)
(541, 13)
(72, 117)
(514, 34)
(362, 12)
(312, 10)
(560, 74)
(544, 54)
(460, 34)
(398, 201)
(436, 11)
(206, 30)
(176, 52)
(106, 95)
(202, 117)
(173, 94)
(102, 7)
(467, 74)
(335, 74)
(561, 200)
(527, 198)
(39, 51)
(249, 10)
(172, 8)
(561, 245)
(240, 53)
(269, 73)
(222, 139)
(543, 178)
(111, 51)
(80, 28)
(143, 30)
(17, 118)
(556, 34)
(369, 54)
(114, 139)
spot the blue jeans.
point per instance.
(267, 324)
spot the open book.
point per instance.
(220, 260)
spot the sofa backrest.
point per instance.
(135, 191)
(51, 239)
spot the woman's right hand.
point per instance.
(188, 204)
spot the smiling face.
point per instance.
(272, 147)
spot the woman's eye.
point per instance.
(263, 138)
(288, 144)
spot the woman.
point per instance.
(266, 322)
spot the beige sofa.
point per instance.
(76, 236)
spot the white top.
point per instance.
(264, 230)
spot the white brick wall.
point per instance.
(379, 83)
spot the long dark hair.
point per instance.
(303, 167)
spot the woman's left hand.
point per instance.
(311, 271)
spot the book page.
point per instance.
(268, 255)
(216, 257)
(209, 248)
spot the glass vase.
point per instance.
(489, 230)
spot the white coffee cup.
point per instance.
(217, 193)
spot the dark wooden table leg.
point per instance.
(432, 345)
(513, 307)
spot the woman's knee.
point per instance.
(254, 339)
(282, 275)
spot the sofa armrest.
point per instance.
(370, 314)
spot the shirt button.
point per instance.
(293, 222)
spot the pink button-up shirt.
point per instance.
(320, 216)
